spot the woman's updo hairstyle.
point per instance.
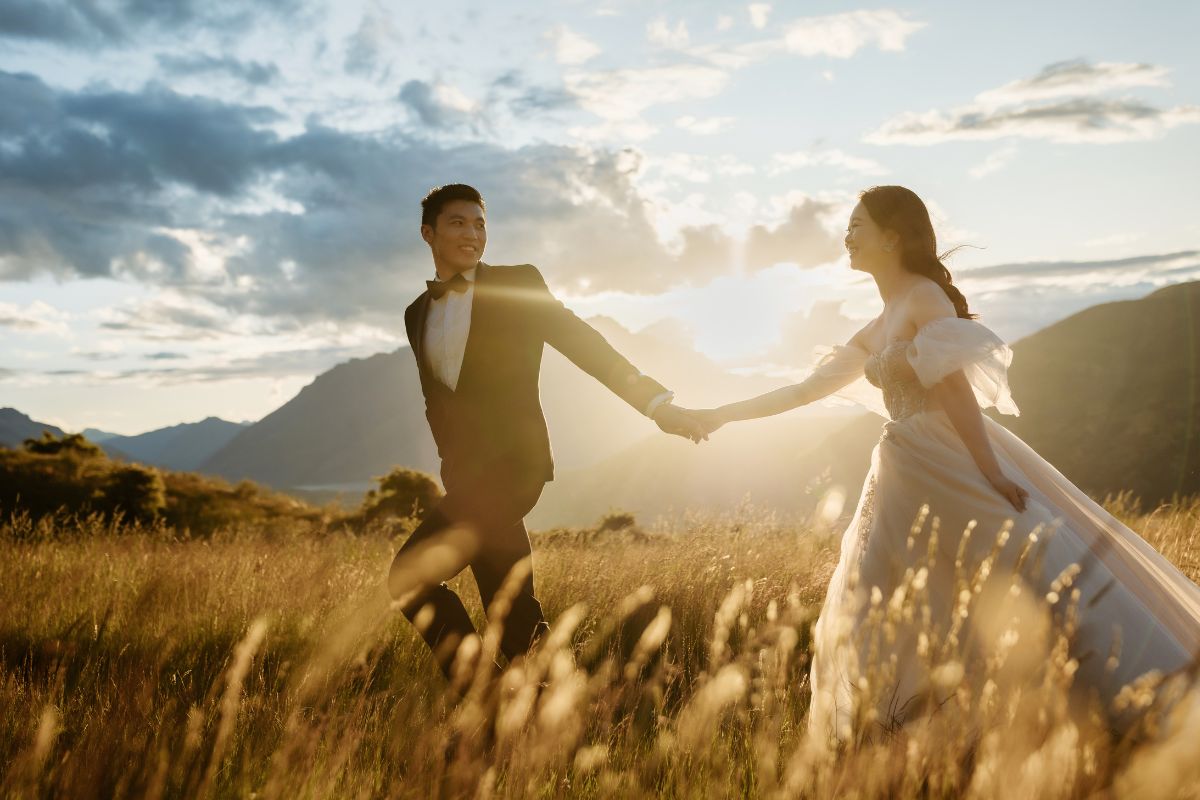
(897, 209)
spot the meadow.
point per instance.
(266, 661)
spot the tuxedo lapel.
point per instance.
(418, 334)
(480, 306)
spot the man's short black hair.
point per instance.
(438, 196)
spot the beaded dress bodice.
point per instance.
(890, 372)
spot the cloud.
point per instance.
(1060, 104)
(571, 48)
(255, 73)
(660, 32)
(165, 190)
(843, 35)
(801, 239)
(439, 105)
(73, 22)
(800, 159)
(37, 317)
(996, 161)
(1074, 79)
(623, 94)
(758, 14)
(1081, 120)
(1143, 265)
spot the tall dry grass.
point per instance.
(272, 665)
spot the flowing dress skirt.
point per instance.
(914, 612)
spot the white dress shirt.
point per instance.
(447, 326)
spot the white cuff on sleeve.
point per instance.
(662, 399)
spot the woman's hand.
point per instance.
(709, 418)
(1012, 492)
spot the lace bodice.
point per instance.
(890, 371)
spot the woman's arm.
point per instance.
(842, 369)
(956, 398)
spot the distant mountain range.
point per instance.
(1110, 396)
(183, 448)
(362, 418)
(16, 427)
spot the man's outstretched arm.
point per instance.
(585, 347)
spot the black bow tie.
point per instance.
(438, 289)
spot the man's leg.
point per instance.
(505, 551)
(435, 552)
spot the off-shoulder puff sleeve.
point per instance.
(949, 344)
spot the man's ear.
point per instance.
(427, 233)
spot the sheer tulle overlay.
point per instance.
(918, 608)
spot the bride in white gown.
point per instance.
(917, 609)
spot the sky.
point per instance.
(205, 205)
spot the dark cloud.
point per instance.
(18, 323)
(801, 239)
(165, 356)
(58, 21)
(93, 183)
(421, 99)
(1081, 119)
(116, 22)
(255, 73)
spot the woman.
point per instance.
(1012, 554)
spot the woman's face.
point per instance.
(866, 242)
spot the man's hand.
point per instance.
(673, 419)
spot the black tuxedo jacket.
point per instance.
(491, 426)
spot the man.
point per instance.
(477, 334)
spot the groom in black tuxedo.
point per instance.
(477, 334)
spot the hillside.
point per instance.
(1111, 395)
(180, 447)
(16, 427)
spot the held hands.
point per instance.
(694, 424)
(681, 422)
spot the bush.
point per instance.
(403, 493)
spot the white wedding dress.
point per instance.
(905, 623)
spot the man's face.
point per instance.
(458, 238)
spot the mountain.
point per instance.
(1111, 395)
(16, 427)
(352, 423)
(362, 418)
(96, 435)
(180, 447)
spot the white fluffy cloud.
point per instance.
(843, 35)
(571, 48)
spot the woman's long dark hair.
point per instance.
(898, 209)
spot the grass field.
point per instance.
(269, 663)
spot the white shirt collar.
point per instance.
(468, 274)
